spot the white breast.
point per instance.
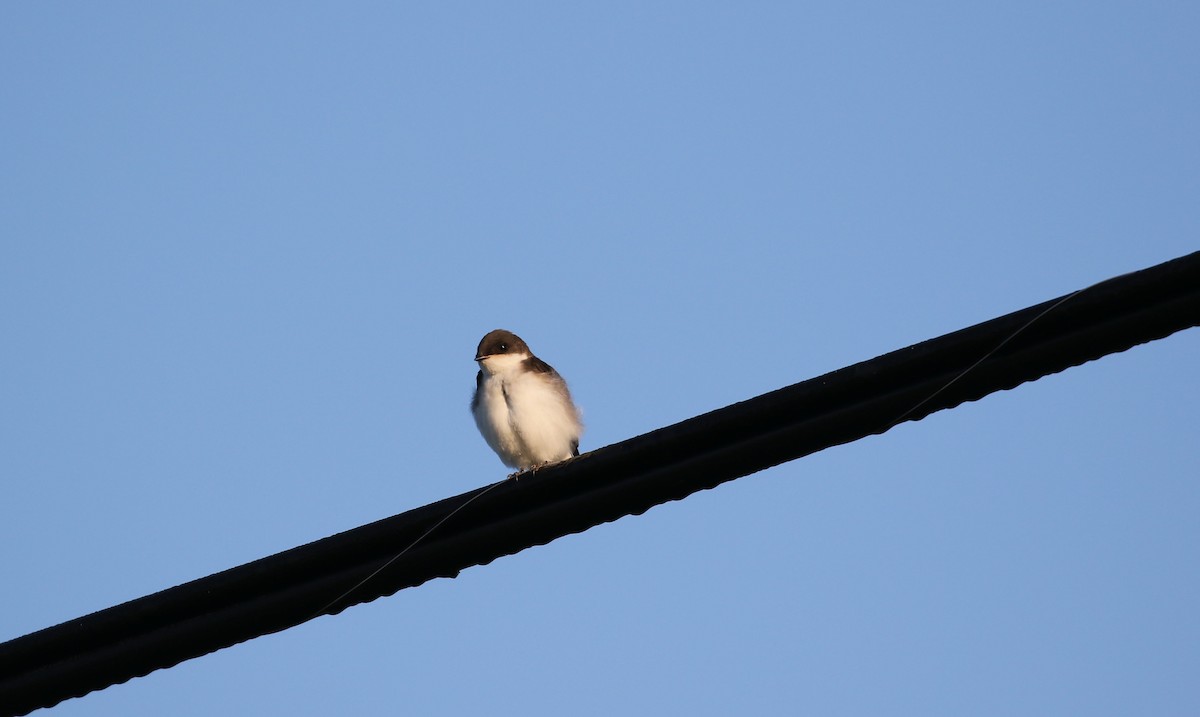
(526, 417)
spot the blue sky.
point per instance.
(249, 249)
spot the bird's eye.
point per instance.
(503, 347)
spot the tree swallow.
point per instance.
(521, 405)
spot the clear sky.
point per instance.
(248, 250)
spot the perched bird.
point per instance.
(521, 405)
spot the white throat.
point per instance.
(502, 364)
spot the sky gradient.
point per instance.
(248, 252)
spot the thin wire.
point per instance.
(400, 554)
(999, 346)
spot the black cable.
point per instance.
(280, 591)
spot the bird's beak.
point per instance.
(480, 358)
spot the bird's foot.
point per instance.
(531, 470)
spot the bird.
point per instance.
(522, 406)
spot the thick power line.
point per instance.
(280, 591)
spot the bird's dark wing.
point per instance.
(535, 364)
(475, 396)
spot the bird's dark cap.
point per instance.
(500, 342)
